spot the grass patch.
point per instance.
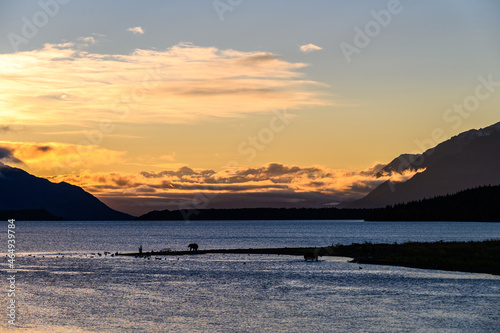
(479, 257)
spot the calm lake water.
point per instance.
(62, 287)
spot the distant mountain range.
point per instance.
(28, 215)
(475, 205)
(258, 214)
(468, 160)
(20, 190)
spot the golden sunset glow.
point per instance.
(182, 187)
(47, 157)
(164, 109)
(181, 84)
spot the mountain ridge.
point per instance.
(20, 190)
(467, 160)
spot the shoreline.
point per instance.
(279, 251)
(470, 257)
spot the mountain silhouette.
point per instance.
(28, 215)
(468, 160)
(257, 214)
(20, 190)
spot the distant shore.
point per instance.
(472, 257)
(472, 205)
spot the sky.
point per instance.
(238, 103)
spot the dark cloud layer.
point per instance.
(273, 185)
(7, 155)
(44, 148)
(6, 129)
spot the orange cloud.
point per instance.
(63, 84)
(309, 48)
(272, 181)
(60, 157)
(136, 30)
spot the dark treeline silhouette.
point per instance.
(260, 214)
(481, 204)
(28, 215)
(478, 257)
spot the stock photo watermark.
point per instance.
(454, 116)
(364, 36)
(223, 6)
(460, 111)
(122, 107)
(249, 148)
(264, 137)
(11, 272)
(30, 27)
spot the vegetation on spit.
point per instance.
(474, 257)
(477, 257)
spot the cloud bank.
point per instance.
(62, 84)
(7, 156)
(273, 185)
(57, 157)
